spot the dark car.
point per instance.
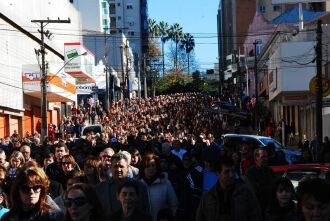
(297, 172)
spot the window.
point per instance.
(118, 4)
(119, 18)
(105, 22)
(105, 8)
(259, 46)
(131, 33)
(104, 5)
(112, 8)
(276, 8)
(113, 22)
(129, 6)
(262, 9)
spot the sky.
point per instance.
(197, 17)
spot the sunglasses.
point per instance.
(27, 189)
(107, 156)
(77, 202)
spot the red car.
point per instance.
(297, 172)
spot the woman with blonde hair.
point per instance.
(16, 161)
(28, 197)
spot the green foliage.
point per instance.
(173, 82)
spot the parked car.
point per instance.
(97, 128)
(236, 140)
(297, 172)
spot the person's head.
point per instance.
(119, 166)
(29, 190)
(187, 160)
(150, 166)
(2, 157)
(176, 145)
(68, 163)
(260, 157)
(128, 195)
(136, 156)
(3, 175)
(17, 144)
(48, 159)
(226, 172)
(91, 167)
(166, 148)
(282, 193)
(3, 199)
(163, 162)
(16, 159)
(77, 177)
(106, 156)
(313, 195)
(26, 151)
(128, 156)
(61, 150)
(81, 201)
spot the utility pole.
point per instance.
(43, 78)
(319, 126)
(106, 97)
(139, 78)
(122, 71)
(220, 75)
(256, 112)
(127, 71)
(145, 77)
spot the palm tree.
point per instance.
(188, 43)
(153, 27)
(164, 37)
(175, 33)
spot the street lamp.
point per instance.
(44, 128)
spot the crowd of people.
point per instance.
(158, 159)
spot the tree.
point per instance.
(182, 59)
(153, 28)
(175, 33)
(188, 44)
(164, 37)
(174, 82)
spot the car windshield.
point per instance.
(265, 141)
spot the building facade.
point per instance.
(20, 76)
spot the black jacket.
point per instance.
(136, 216)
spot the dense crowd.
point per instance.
(160, 158)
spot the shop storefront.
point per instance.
(61, 88)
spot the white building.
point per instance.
(289, 94)
(111, 25)
(20, 87)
